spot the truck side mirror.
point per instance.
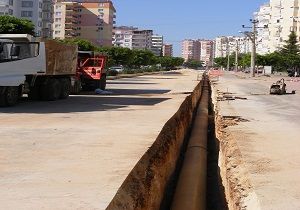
(15, 51)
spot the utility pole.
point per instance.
(228, 54)
(236, 55)
(252, 37)
(253, 52)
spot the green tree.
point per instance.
(13, 25)
(291, 46)
(142, 58)
(170, 62)
(220, 62)
(82, 44)
(193, 64)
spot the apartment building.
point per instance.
(263, 16)
(132, 38)
(281, 17)
(122, 36)
(191, 49)
(284, 19)
(167, 50)
(206, 52)
(40, 12)
(231, 44)
(6, 7)
(47, 18)
(90, 19)
(157, 44)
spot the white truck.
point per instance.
(43, 70)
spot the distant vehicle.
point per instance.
(293, 72)
(117, 68)
(278, 88)
(247, 70)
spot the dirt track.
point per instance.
(75, 154)
(259, 135)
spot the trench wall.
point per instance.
(145, 185)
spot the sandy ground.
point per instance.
(74, 154)
(267, 137)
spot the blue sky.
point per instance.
(177, 20)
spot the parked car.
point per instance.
(117, 68)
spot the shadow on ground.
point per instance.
(81, 103)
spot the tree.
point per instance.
(291, 46)
(220, 62)
(82, 44)
(13, 25)
(193, 64)
(170, 62)
(142, 58)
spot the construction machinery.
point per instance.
(278, 88)
(90, 72)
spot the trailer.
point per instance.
(43, 70)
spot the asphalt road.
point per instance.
(269, 141)
(75, 153)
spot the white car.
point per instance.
(117, 68)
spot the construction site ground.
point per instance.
(75, 153)
(259, 135)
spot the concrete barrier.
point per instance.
(145, 185)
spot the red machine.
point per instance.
(90, 73)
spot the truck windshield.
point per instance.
(17, 51)
(5, 51)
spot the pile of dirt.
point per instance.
(235, 178)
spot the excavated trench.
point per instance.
(169, 174)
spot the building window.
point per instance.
(58, 13)
(100, 10)
(57, 19)
(40, 24)
(10, 12)
(27, 4)
(57, 32)
(26, 13)
(57, 6)
(11, 2)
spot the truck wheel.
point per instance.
(12, 95)
(65, 88)
(77, 87)
(103, 82)
(2, 96)
(34, 93)
(51, 90)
